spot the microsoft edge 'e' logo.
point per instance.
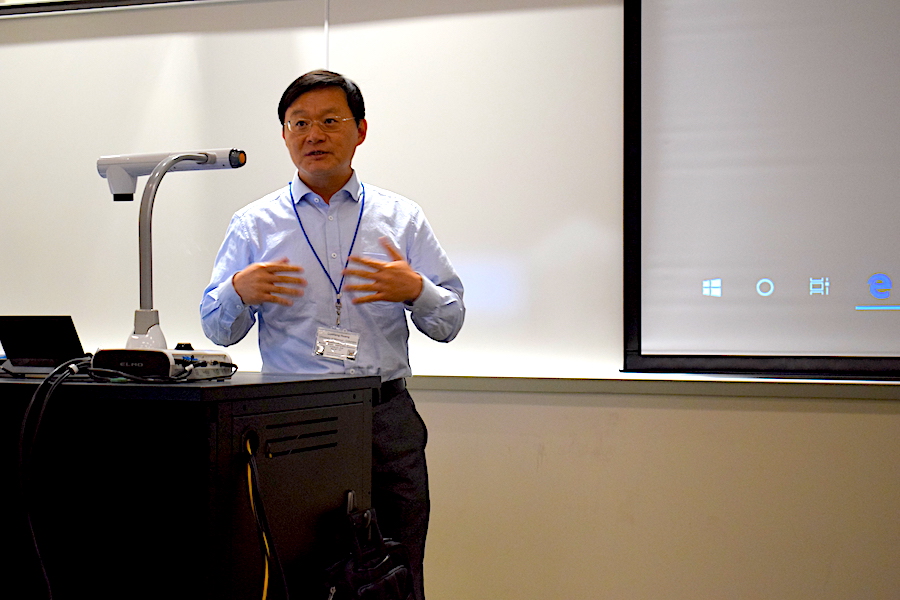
(880, 286)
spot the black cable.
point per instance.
(40, 399)
(267, 544)
(261, 528)
(52, 381)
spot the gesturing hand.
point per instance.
(392, 281)
(265, 282)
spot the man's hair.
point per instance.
(316, 80)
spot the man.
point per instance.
(294, 258)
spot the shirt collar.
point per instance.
(301, 191)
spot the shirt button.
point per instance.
(334, 255)
(352, 371)
(331, 217)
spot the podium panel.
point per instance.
(141, 490)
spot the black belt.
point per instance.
(389, 390)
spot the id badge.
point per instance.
(336, 344)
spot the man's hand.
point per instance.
(392, 281)
(265, 282)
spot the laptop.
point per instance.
(38, 344)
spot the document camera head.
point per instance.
(122, 170)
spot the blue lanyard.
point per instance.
(337, 288)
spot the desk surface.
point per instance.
(246, 386)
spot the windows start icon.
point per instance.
(712, 287)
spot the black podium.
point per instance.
(141, 490)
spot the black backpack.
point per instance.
(375, 568)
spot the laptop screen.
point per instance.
(39, 341)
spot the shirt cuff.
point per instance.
(230, 301)
(429, 298)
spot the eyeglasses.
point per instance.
(329, 124)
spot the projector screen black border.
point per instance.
(635, 361)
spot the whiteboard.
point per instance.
(504, 125)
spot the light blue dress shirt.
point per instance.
(268, 230)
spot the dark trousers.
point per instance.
(400, 478)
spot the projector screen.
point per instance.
(761, 187)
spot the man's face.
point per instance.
(323, 158)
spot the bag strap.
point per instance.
(366, 541)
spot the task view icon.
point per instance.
(819, 286)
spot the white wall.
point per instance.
(505, 126)
(635, 490)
